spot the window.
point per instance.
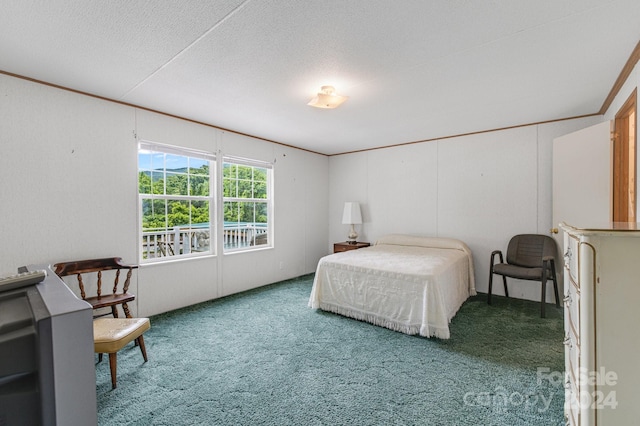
(176, 201)
(246, 203)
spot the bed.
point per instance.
(410, 284)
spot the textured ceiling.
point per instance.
(414, 70)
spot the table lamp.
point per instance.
(351, 216)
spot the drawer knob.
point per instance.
(567, 255)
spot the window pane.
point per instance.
(200, 229)
(177, 163)
(245, 189)
(144, 160)
(154, 228)
(244, 172)
(200, 239)
(178, 213)
(199, 213)
(260, 190)
(198, 166)
(199, 185)
(230, 189)
(260, 237)
(176, 184)
(153, 214)
(157, 182)
(261, 213)
(246, 213)
(144, 182)
(229, 170)
(157, 161)
(260, 174)
(230, 213)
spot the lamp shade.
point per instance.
(351, 214)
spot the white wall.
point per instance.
(68, 190)
(481, 188)
(68, 173)
(67, 165)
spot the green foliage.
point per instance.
(153, 213)
(239, 182)
(171, 213)
(160, 213)
(196, 183)
(249, 212)
(144, 183)
(244, 182)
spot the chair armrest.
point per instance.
(90, 265)
(549, 261)
(493, 255)
(118, 262)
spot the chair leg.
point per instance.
(125, 308)
(140, 341)
(543, 296)
(100, 357)
(490, 286)
(504, 283)
(506, 290)
(555, 287)
(113, 366)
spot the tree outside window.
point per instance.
(174, 186)
(246, 203)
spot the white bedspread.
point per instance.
(409, 284)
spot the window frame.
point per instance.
(268, 200)
(165, 149)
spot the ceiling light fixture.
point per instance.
(327, 98)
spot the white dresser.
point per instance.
(602, 324)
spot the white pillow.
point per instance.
(413, 240)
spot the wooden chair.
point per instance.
(112, 334)
(109, 334)
(98, 266)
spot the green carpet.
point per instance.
(264, 358)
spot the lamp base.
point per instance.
(352, 242)
(353, 235)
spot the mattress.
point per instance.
(414, 285)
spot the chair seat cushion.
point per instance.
(112, 334)
(520, 272)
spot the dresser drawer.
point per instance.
(341, 247)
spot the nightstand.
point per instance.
(345, 246)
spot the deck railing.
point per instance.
(184, 240)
